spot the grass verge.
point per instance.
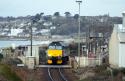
(6, 72)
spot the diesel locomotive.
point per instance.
(57, 53)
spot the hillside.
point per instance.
(59, 25)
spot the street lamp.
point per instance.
(79, 2)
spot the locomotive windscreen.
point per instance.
(55, 45)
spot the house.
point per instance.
(117, 45)
(14, 32)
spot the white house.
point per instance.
(117, 45)
(14, 32)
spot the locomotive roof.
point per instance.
(59, 42)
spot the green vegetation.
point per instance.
(101, 74)
(6, 72)
(102, 70)
(115, 72)
(1, 56)
(122, 70)
(15, 61)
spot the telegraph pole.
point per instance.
(79, 3)
(30, 25)
(31, 39)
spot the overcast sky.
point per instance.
(88, 7)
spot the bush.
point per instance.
(115, 72)
(123, 70)
(16, 61)
(11, 61)
(100, 68)
(6, 72)
(1, 56)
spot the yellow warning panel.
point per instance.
(54, 53)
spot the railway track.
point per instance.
(55, 74)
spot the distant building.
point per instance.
(43, 31)
(47, 24)
(117, 46)
(14, 32)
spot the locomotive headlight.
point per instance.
(49, 55)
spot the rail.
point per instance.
(55, 74)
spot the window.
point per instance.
(55, 47)
(59, 47)
(51, 47)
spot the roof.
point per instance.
(59, 43)
(121, 33)
(121, 37)
(121, 28)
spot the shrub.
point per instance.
(115, 72)
(8, 73)
(1, 56)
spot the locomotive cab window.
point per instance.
(52, 47)
(55, 47)
(59, 47)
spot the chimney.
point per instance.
(123, 22)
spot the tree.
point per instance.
(56, 14)
(37, 17)
(41, 14)
(47, 18)
(67, 14)
(1, 56)
(76, 16)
